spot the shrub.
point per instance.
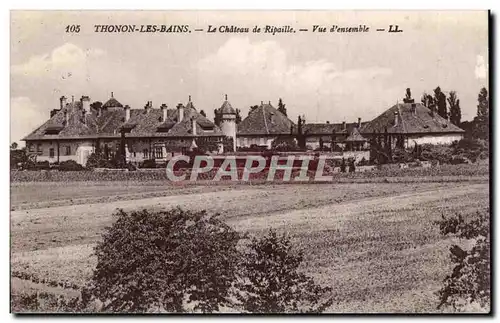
(284, 144)
(157, 261)
(440, 153)
(45, 302)
(98, 161)
(471, 149)
(70, 165)
(271, 283)
(148, 163)
(469, 281)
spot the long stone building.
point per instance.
(76, 129)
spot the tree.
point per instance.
(157, 261)
(252, 109)
(13, 146)
(281, 107)
(482, 121)
(455, 111)
(284, 144)
(203, 113)
(270, 281)
(483, 107)
(427, 100)
(238, 116)
(217, 117)
(440, 101)
(469, 281)
(97, 105)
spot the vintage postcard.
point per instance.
(249, 162)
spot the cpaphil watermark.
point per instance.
(244, 168)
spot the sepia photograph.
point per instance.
(250, 162)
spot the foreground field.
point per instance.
(374, 243)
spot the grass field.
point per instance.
(374, 243)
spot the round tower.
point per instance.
(228, 121)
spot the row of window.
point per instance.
(39, 149)
(157, 152)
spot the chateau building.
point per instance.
(76, 130)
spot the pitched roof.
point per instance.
(112, 103)
(142, 123)
(355, 136)
(226, 108)
(329, 128)
(265, 120)
(411, 118)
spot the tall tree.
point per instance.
(238, 116)
(440, 100)
(203, 113)
(252, 109)
(455, 111)
(96, 105)
(483, 107)
(482, 127)
(281, 107)
(217, 117)
(427, 100)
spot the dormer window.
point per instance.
(53, 130)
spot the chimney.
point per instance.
(180, 112)
(62, 101)
(193, 124)
(344, 127)
(85, 100)
(261, 102)
(163, 108)
(359, 122)
(432, 110)
(148, 105)
(396, 118)
(127, 113)
(72, 99)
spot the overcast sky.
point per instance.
(331, 76)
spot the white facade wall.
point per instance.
(77, 150)
(243, 141)
(228, 127)
(444, 139)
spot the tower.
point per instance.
(228, 122)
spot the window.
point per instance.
(31, 148)
(133, 154)
(159, 152)
(51, 152)
(39, 148)
(68, 150)
(145, 153)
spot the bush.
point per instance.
(469, 281)
(45, 302)
(440, 153)
(158, 261)
(471, 149)
(284, 144)
(148, 163)
(70, 165)
(271, 283)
